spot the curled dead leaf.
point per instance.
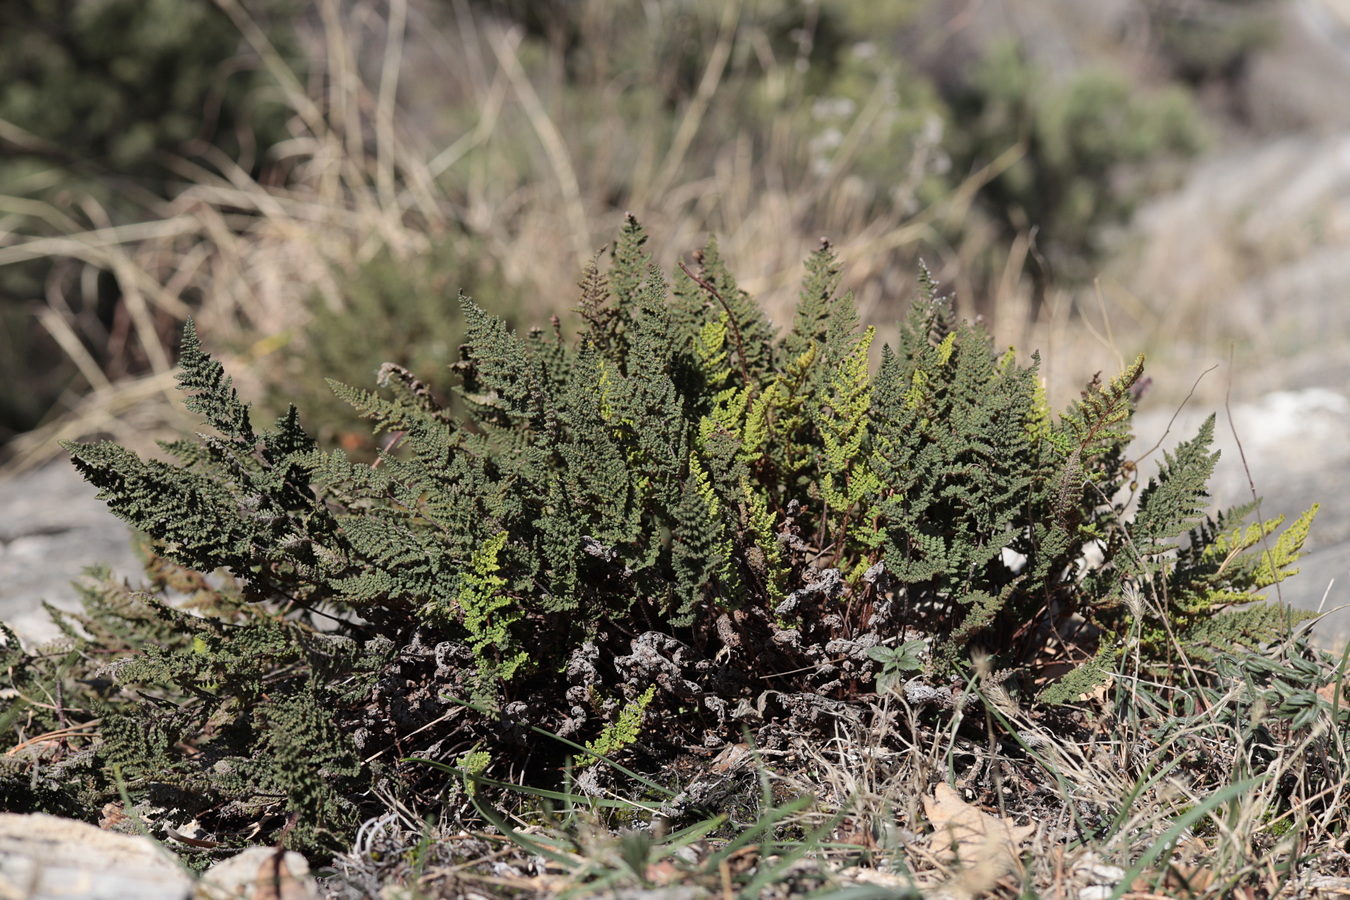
(986, 847)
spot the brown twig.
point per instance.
(735, 328)
(57, 735)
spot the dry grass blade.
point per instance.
(555, 149)
(692, 120)
(131, 412)
(84, 244)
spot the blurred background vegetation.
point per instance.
(315, 183)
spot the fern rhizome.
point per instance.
(676, 530)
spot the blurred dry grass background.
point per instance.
(494, 147)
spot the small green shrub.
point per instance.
(1214, 41)
(114, 83)
(1080, 137)
(676, 529)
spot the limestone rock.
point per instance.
(259, 873)
(46, 857)
(52, 527)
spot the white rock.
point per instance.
(259, 872)
(46, 857)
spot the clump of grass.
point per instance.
(263, 259)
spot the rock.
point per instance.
(51, 528)
(259, 873)
(1247, 262)
(1288, 85)
(45, 857)
(1296, 444)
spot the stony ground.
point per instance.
(51, 528)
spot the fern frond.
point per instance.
(1249, 626)
(816, 306)
(1173, 500)
(488, 614)
(1083, 679)
(843, 429)
(209, 392)
(500, 381)
(195, 518)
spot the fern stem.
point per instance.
(735, 327)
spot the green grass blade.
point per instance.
(1167, 840)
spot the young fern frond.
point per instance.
(847, 480)
(1175, 499)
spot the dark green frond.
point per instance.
(209, 392)
(200, 521)
(818, 299)
(500, 380)
(1177, 497)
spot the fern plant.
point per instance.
(672, 529)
